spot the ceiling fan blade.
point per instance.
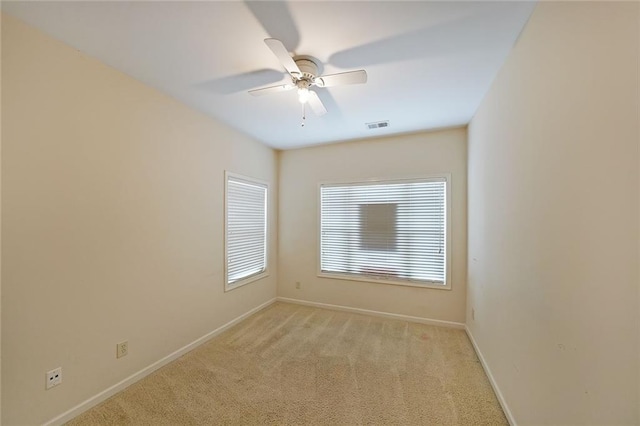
(271, 89)
(241, 82)
(282, 54)
(461, 27)
(316, 104)
(275, 17)
(340, 79)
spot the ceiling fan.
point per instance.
(304, 72)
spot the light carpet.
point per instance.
(297, 365)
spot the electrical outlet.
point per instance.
(298, 285)
(53, 378)
(122, 349)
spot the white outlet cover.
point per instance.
(53, 378)
(122, 349)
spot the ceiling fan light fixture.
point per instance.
(303, 95)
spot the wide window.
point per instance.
(394, 231)
(245, 230)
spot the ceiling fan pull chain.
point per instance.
(303, 115)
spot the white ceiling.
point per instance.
(428, 63)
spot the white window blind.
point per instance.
(393, 230)
(246, 229)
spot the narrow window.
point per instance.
(245, 230)
(390, 231)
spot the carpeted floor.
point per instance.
(297, 365)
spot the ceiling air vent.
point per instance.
(378, 124)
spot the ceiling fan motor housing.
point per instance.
(308, 68)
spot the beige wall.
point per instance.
(0, 221)
(553, 218)
(302, 170)
(112, 224)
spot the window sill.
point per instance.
(370, 279)
(245, 281)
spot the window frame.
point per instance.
(384, 280)
(259, 275)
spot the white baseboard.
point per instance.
(401, 317)
(494, 385)
(96, 399)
